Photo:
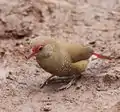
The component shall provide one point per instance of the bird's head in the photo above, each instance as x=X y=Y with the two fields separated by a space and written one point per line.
x=42 y=47
x=35 y=50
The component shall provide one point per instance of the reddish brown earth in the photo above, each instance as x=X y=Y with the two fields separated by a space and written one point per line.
x=93 y=22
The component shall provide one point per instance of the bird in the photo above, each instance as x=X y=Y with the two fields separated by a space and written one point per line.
x=61 y=58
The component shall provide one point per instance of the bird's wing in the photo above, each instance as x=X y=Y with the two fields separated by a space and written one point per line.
x=80 y=66
x=77 y=52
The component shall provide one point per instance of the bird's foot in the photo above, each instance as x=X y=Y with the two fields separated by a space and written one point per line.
x=46 y=82
x=42 y=85
x=67 y=86
x=72 y=82
x=60 y=79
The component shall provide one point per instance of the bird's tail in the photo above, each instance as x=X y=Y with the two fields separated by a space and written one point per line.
x=102 y=56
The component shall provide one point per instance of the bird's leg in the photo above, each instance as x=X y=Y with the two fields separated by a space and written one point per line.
x=47 y=80
x=72 y=82
x=61 y=79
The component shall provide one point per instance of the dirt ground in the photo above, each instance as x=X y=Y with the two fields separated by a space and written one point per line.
x=93 y=22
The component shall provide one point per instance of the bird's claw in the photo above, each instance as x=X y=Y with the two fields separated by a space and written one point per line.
x=64 y=87
x=42 y=85
x=46 y=82
x=72 y=82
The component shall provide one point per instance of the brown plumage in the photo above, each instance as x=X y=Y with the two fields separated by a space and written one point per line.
x=61 y=58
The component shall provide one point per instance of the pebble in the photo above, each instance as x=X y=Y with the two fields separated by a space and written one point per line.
x=46 y=109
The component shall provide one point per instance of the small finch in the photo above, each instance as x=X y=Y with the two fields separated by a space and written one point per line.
x=62 y=59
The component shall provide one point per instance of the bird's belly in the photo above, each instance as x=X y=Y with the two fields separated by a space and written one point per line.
x=55 y=67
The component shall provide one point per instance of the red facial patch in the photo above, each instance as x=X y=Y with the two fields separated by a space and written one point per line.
x=36 y=48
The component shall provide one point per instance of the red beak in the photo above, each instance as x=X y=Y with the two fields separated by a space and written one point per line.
x=31 y=55
x=34 y=51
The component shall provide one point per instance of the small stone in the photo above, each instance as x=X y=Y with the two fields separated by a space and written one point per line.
x=46 y=109
x=48 y=103
x=27 y=39
x=50 y=10
x=10 y=73
x=48 y=97
x=37 y=71
x=78 y=87
x=21 y=46
x=9 y=77
x=2 y=53
x=92 y=42
x=118 y=57
x=97 y=17
x=25 y=13
x=17 y=44
x=101 y=88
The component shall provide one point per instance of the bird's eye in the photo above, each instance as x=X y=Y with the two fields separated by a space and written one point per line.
x=40 y=48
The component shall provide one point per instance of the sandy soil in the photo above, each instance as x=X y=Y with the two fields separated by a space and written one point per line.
x=93 y=22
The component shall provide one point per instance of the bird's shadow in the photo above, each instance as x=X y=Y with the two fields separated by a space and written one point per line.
x=100 y=83
x=54 y=84
x=90 y=81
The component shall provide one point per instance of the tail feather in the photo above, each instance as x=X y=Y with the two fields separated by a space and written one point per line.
x=101 y=56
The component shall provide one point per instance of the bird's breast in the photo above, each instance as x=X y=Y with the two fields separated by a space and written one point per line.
x=55 y=64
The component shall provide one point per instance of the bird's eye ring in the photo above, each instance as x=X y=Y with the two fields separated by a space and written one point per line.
x=40 y=48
